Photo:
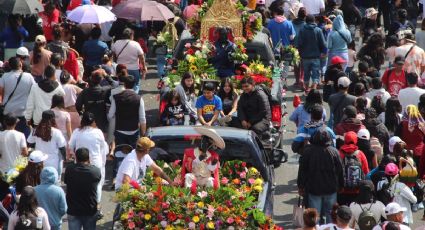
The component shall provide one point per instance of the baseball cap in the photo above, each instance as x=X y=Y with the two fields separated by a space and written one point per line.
x=40 y=39
x=22 y=51
x=394 y=208
x=399 y=60
x=350 y=138
x=37 y=157
x=391 y=169
x=363 y=134
x=344 y=213
x=145 y=143
x=393 y=140
x=344 y=82
x=337 y=60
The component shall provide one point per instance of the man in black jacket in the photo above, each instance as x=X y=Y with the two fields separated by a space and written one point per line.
x=254 y=109
x=321 y=173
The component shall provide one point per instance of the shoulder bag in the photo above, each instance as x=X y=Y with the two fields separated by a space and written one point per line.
x=2 y=107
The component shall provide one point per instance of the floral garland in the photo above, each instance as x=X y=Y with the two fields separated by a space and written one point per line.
x=232 y=206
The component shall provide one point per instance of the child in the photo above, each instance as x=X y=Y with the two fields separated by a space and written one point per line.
x=351 y=57
x=209 y=106
x=174 y=110
x=392 y=43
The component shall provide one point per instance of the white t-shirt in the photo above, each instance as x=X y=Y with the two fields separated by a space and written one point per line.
x=94 y=141
x=332 y=227
x=132 y=167
x=71 y=92
x=410 y=96
x=41 y=213
x=376 y=208
x=313 y=6
x=401 y=227
x=11 y=144
x=129 y=55
x=51 y=148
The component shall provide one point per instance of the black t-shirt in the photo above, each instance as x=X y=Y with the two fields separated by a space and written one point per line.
x=81 y=189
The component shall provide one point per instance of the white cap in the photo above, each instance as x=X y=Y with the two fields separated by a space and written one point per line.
x=394 y=140
x=40 y=39
x=394 y=208
x=344 y=82
x=363 y=134
x=22 y=51
x=1 y=64
x=37 y=157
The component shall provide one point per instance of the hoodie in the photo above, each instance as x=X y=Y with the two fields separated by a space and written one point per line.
x=310 y=128
x=320 y=171
x=311 y=42
x=349 y=124
x=340 y=37
x=40 y=99
x=379 y=130
x=281 y=30
x=298 y=24
x=51 y=197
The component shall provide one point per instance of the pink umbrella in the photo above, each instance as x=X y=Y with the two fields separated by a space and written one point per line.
x=142 y=10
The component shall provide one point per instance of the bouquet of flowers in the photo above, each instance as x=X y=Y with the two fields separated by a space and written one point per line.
x=259 y=73
x=291 y=54
x=155 y=206
x=239 y=54
x=253 y=22
x=164 y=39
x=194 y=24
x=19 y=165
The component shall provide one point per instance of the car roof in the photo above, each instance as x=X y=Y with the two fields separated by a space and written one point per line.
x=225 y=132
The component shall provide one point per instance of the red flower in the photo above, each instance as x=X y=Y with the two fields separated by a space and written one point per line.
x=190 y=51
x=244 y=164
x=171 y=216
x=239 y=77
x=193 y=187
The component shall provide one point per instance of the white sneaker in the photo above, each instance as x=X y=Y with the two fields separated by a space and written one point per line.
x=421 y=206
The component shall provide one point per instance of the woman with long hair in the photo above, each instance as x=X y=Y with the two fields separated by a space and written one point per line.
x=392 y=115
x=62 y=117
x=30 y=175
x=366 y=201
x=229 y=97
x=186 y=90
x=90 y=137
x=39 y=58
x=374 y=48
x=71 y=93
x=49 y=140
x=301 y=114
x=28 y=213
x=13 y=36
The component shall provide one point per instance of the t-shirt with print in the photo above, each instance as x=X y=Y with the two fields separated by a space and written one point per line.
x=209 y=106
x=128 y=55
x=414 y=60
x=132 y=167
x=11 y=144
x=395 y=82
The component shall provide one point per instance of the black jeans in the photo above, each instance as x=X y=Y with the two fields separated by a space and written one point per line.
x=262 y=129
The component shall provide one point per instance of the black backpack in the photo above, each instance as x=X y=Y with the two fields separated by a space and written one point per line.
x=30 y=222
x=385 y=195
x=353 y=171
x=366 y=219
x=268 y=92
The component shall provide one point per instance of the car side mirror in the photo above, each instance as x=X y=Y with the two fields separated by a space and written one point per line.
x=278 y=157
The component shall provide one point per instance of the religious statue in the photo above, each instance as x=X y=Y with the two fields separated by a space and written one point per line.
x=201 y=165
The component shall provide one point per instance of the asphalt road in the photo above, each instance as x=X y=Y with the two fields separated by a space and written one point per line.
x=286 y=194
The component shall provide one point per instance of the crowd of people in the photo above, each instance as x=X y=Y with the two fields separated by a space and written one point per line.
x=72 y=92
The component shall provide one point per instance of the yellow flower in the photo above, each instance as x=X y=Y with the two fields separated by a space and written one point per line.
x=193 y=68
x=191 y=59
x=169 y=227
x=148 y=217
x=210 y=225
x=258 y=188
x=200 y=204
x=253 y=171
x=195 y=219
x=258 y=181
x=124 y=216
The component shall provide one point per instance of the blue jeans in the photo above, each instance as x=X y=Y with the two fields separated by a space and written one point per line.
x=323 y=204
x=311 y=70
x=84 y=222
x=136 y=75
x=160 y=64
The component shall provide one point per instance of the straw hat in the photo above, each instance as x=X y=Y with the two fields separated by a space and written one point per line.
x=211 y=133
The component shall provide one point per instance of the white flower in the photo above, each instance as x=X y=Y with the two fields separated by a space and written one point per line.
x=202 y=194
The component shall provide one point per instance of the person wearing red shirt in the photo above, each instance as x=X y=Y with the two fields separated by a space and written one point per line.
x=346 y=196
x=394 y=79
x=50 y=17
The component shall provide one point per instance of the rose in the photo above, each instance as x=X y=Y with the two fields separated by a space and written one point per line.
x=165 y=205
x=258 y=181
x=242 y=175
x=130 y=214
x=171 y=216
x=131 y=225
x=187 y=45
x=224 y=180
x=244 y=164
x=230 y=220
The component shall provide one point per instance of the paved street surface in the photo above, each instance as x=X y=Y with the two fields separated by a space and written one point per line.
x=286 y=190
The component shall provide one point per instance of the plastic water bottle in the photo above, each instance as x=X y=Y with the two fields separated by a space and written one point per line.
x=186 y=119
x=39 y=224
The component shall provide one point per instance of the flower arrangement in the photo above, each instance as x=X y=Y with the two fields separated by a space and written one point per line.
x=196 y=62
x=293 y=55
x=252 y=23
x=155 y=206
x=194 y=24
x=239 y=54
x=19 y=165
x=259 y=73
x=164 y=38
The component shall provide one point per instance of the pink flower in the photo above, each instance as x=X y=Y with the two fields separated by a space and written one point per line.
x=224 y=180
x=130 y=214
x=251 y=180
x=131 y=225
x=252 y=18
x=242 y=175
x=176 y=163
x=187 y=45
x=141 y=215
x=192 y=225
x=165 y=205
x=230 y=220
x=202 y=194
x=164 y=223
